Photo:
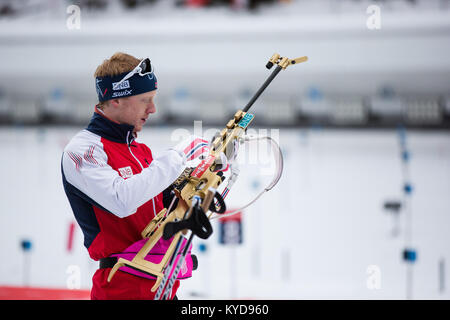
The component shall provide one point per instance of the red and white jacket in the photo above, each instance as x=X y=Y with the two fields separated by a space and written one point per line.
x=114 y=185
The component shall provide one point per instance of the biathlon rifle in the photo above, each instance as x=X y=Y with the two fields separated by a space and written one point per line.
x=196 y=183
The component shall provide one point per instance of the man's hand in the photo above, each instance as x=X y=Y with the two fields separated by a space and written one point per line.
x=193 y=147
x=196 y=148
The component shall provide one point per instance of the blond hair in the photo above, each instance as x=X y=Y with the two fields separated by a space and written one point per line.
x=118 y=63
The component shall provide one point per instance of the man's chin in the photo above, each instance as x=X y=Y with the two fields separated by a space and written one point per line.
x=137 y=129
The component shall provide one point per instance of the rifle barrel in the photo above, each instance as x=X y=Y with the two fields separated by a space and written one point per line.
x=263 y=87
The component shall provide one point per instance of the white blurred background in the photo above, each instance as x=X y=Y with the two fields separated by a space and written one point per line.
x=367 y=114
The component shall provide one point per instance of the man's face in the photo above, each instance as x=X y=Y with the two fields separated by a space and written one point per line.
x=135 y=110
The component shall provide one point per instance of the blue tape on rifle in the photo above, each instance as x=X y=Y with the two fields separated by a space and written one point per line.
x=245 y=121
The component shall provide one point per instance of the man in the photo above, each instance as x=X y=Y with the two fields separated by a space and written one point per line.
x=113 y=183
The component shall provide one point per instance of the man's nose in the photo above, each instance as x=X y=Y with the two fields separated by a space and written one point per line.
x=151 y=108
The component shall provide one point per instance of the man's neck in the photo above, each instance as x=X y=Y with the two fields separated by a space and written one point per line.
x=111 y=118
x=106 y=114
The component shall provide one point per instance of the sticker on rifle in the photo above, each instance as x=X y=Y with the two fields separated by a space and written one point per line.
x=203 y=166
x=245 y=121
x=184 y=268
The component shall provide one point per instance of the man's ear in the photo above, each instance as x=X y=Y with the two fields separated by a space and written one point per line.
x=114 y=102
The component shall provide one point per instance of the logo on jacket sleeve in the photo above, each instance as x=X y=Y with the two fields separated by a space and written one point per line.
x=126 y=172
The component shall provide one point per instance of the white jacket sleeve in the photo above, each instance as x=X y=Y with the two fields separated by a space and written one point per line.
x=100 y=182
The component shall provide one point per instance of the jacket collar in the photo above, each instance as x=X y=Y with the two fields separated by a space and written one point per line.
x=109 y=129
